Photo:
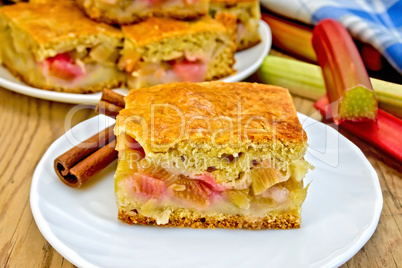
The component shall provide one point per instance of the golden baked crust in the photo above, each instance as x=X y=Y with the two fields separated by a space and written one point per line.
x=55 y=22
x=156 y=29
x=275 y=221
x=266 y=114
x=55 y=25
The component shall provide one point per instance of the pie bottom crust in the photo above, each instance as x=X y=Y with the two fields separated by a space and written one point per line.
x=195 y=220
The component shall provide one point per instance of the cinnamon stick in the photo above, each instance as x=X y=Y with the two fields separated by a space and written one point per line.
x=78 y=165
x=111 y=103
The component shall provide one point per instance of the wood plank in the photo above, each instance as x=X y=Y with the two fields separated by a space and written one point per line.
x=30 y=125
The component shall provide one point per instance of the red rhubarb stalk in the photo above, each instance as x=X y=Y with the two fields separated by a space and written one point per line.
x=290 y=36
x=385 y=134
x=346 y=79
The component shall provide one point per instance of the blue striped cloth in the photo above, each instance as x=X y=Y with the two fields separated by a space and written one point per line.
x=377 y=22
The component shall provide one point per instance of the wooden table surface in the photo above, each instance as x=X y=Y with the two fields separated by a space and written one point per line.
x=29 y=126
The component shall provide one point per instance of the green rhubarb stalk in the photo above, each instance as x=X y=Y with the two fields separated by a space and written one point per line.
x=306 y=80
x=302 y=79
x=346 y=79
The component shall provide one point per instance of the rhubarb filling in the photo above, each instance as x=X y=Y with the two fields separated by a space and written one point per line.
x=127 y=8
x=81 y=67
x=248 y=16
x=176 y=66
x=156 y=190
x=177 y=70
x=246 y=30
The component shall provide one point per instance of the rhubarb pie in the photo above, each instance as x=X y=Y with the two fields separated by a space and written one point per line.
x=248 y=16
x=163 y=50
x=210 y=154
x=56 y=47
x=129 y=11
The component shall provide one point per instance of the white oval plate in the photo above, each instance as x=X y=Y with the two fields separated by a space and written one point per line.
x=340 y=214
x=247 y=62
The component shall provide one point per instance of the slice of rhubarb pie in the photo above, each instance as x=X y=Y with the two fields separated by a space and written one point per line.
x=210 y=154
x=56 y=47
x=162 y=50
x=248 y=15
x=130 y=11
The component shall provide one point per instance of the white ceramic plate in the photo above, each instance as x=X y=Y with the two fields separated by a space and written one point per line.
x=340 y=214
x=247 y=62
